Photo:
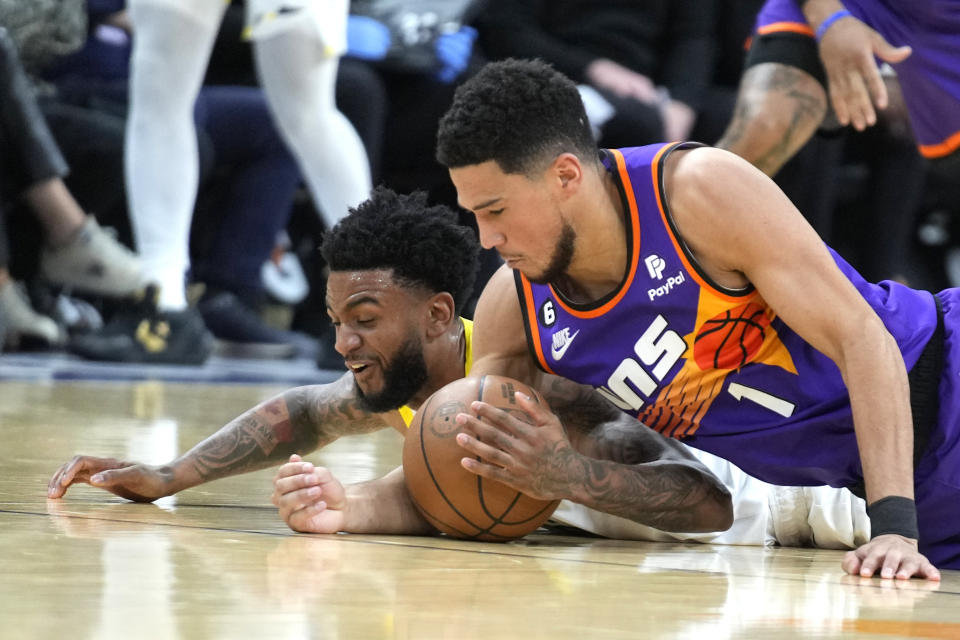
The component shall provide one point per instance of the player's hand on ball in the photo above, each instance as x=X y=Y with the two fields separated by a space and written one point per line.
x=133 y=481
x=527 y=450
x=309 y=499
x=889 y=556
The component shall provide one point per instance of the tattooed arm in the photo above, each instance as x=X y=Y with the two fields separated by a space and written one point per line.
x=297 y=421
x=602 y=459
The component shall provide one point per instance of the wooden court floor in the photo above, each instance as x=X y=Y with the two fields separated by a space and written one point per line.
x=217 y=562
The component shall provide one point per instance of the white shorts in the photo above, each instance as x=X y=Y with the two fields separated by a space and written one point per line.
x=764 y=515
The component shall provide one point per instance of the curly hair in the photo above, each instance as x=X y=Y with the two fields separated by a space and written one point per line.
x=518 y=113
x=425 y=246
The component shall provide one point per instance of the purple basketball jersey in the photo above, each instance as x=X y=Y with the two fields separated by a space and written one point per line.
x=713 y=366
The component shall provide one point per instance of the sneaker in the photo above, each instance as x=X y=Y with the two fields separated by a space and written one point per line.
x=142 y=333
x=25 y=327
x=240 y=333
x=76 y=315
x=93 y=261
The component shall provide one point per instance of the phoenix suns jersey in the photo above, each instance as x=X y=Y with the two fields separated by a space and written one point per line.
x=406 y=412
x=713 y=366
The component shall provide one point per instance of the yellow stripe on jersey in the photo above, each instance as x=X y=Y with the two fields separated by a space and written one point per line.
x=406 y=412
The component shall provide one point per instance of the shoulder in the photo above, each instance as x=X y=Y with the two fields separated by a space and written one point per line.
x=706 y=189
x=500 y=288
x=498 y=308
x=686 y=171
x=499 y=339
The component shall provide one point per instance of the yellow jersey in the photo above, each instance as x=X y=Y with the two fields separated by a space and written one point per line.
x=406 y=412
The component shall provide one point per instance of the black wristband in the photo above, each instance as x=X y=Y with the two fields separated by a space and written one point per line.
x=893 y=515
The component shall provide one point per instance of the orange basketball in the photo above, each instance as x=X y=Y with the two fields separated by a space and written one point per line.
x=455 y=501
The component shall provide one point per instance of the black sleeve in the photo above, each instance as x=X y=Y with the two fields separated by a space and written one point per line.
x=792 y=49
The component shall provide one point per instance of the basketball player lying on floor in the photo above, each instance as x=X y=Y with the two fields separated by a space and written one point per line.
x=397 y=278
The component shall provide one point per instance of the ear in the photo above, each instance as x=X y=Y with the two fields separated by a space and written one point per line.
x=441 y=312
x=568 y=173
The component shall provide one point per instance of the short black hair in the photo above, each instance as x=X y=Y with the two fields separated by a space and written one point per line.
x=425 y=246
x=518 y=113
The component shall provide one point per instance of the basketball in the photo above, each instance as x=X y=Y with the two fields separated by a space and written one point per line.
x=731 y=339
x=452 y=499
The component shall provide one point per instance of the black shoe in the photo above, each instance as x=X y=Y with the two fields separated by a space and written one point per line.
x=142 y=333
x=240 y=333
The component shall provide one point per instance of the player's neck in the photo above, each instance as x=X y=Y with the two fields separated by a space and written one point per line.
x=600 y=251
x=446 y=361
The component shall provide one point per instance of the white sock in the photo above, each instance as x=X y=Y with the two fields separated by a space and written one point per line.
x=298 y=71
x=171 y=47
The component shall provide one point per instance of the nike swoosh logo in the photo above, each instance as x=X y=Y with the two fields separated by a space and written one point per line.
x=558 y=353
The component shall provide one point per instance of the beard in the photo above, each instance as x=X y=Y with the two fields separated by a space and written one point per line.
x=402 y=378
x=561 y=258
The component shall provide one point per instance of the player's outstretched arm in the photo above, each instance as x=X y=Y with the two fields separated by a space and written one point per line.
x=297 y=421
x=604 y=460
x=679 y=493
x=744 y=230
x=311 y=500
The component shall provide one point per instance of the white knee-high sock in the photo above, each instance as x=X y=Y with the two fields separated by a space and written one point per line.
x=171 y=46
x=298 y=72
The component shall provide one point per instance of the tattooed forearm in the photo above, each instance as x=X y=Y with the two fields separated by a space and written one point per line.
x=235 y=449
x=297 y=421
x=597 y=428
x=667 y=495
x=619 y=466
x=579 y=407
x=263 y=435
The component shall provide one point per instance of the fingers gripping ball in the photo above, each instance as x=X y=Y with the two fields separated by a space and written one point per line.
x=457 y=502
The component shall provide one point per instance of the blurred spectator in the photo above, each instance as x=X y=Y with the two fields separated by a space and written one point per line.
x=77 y=252
x=643 y=67
x=248 y=178
x=297 y=47
x=90 y=141
x=783 y=101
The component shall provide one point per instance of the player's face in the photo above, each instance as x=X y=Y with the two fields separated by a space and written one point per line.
x=518 y=216
x=378 y=335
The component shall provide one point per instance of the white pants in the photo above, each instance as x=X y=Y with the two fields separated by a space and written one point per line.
x=764 y=515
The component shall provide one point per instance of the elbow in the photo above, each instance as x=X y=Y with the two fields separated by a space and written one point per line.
x=715 y=511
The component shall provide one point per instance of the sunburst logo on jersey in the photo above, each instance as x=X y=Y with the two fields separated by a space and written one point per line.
x=727 y=336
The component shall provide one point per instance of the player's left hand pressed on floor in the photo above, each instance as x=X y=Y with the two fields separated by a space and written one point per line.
x=889 y=556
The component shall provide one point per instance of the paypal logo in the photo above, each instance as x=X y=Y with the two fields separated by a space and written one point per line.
x=655 y=266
